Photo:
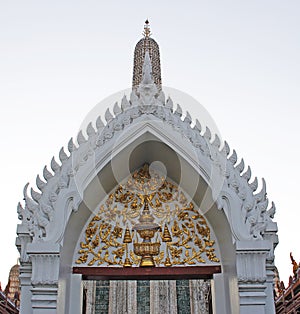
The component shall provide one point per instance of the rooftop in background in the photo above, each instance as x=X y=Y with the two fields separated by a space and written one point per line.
x=6 y=305
x=287 y=300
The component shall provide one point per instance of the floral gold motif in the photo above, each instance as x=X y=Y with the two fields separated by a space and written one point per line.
x=147 y=206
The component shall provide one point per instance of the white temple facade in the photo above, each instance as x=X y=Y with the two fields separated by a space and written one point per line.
x=147 y=213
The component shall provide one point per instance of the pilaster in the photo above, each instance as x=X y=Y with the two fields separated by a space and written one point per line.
x=271 y=236
x=44 y=280
x=25 y=282
x=22 y=242
x=251 y=273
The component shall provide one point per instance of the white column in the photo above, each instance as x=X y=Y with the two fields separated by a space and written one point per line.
x=251 y=273
x=25 y=282
x=225 y=294
x=75 y=297
x=271 y=235
x=270 y=304
x=44 y=281
x=69 y=294
x=22 y=241
x=163 y=296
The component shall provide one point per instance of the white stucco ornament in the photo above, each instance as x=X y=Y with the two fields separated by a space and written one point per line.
x=51 y=209
x=253 y=217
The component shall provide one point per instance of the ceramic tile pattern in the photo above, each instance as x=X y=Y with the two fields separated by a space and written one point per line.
x=183 y=296
x=102 y=297
x=143 y=297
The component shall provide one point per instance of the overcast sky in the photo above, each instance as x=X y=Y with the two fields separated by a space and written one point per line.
x=239 y=59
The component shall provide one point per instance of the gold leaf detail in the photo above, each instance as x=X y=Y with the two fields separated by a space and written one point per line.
x=189 y=242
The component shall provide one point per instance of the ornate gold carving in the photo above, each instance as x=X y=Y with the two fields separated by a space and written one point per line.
x=127 y=236
x=166 y=235
x=146 y=228
x=147 y=206
x=127 y=239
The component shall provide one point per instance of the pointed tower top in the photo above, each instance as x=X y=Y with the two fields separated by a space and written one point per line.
x=146 y=44
x=147 y=32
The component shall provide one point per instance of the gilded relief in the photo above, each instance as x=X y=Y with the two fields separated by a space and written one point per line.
x=147 y=221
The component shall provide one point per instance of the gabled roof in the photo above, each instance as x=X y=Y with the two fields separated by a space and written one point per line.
x=148 y=104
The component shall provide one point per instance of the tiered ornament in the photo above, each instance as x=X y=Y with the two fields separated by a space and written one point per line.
x=147 y=229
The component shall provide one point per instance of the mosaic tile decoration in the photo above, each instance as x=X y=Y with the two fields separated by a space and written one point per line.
x=102 y=297
x=183 y=296
x=143 y=297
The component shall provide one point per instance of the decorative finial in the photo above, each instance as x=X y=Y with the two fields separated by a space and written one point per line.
x=147 y=32
x=127 y=236
x=147 y=43
x=166 y=235
x=295 y=265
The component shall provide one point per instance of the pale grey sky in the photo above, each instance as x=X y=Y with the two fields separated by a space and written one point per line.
x=239 y=59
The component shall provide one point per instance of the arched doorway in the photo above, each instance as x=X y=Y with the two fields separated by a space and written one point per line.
x=54 y=220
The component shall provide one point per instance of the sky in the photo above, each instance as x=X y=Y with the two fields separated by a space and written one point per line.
x=238 y=59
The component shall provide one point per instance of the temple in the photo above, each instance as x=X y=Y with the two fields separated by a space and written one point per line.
x=146 y=213
x=287 y=299
x=10 y=297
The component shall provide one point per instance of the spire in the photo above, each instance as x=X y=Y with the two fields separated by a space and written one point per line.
x=147 y=70
x=146 y=44
x=147 y=32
